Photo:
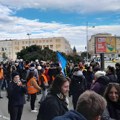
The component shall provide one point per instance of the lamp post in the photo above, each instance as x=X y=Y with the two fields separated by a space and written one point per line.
x=87 y=42
x=28 y=34
x=87 y=54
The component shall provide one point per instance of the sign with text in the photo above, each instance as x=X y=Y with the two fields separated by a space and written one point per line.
x=105 y=44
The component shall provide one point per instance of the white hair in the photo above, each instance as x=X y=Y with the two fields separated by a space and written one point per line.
x=99 y=74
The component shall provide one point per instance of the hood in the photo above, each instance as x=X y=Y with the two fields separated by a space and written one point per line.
x=72 y=115
x=32 y=68
x=78 y=73
x=103 y=79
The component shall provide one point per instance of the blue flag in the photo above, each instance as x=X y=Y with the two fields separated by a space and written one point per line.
x=62 y=61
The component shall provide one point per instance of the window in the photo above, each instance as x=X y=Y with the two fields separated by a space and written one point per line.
x=58 y=46
x=57 y=40
x=51 y=46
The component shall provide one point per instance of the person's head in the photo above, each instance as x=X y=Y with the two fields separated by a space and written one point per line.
x=111 y=70
x=91 y=105
x=112 y=92
x=60 y=85
x=99 y=74
x=15 y=76
x=30 y=75
x=117 y=65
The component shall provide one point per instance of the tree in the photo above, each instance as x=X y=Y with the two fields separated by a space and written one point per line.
x=74 y=51
x=84 y=55
x=36 y=52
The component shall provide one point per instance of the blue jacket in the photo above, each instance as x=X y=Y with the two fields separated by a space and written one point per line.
x=71 y=115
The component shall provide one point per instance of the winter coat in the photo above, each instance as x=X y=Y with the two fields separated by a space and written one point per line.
x=16 y=94
x=71 y=115
x=89 y=78
x=51 y=107
x=112 y=77
x=100 y=85
x=112 y=112
x=78 y=84
x=77 y=87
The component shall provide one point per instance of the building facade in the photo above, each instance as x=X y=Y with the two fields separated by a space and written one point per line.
x=92 y=44
x=9 y=48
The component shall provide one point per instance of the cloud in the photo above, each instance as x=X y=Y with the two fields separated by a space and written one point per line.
x=80 y=6
x=12 y=27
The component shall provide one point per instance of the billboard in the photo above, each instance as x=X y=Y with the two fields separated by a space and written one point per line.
x=105 y=44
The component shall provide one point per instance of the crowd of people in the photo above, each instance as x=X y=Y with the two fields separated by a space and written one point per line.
x=95 y=93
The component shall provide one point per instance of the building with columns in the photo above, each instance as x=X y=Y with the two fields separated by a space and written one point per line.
x=10 y=47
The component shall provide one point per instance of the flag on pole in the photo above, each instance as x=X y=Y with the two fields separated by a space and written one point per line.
x=62 y=61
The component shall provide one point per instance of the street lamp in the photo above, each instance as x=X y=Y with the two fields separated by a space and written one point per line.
x=87 y=40
x=28 y=34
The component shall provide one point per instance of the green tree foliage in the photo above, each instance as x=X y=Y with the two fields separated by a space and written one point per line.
x=36 y=52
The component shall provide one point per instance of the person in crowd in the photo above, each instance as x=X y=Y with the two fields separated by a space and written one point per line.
x=112 y=96
x=90 y=106
x=55 y=103
x=111 y=74
x=16 y=97
x=78 y=85
x=89 y=76
x=43 y=82
x=32 y=89
x=117 y=66
x=1 y=78
x=100 y=82
x=33 y=69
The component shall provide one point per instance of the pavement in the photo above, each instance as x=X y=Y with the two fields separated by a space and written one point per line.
x=27 y=115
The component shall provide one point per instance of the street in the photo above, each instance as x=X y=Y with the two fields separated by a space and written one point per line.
x=27 y=115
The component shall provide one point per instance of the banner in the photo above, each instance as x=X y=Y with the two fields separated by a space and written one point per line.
x=62 y=61
x=105 y=44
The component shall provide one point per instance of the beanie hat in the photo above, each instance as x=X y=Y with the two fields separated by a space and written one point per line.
x=32 y=65
x=14 y=74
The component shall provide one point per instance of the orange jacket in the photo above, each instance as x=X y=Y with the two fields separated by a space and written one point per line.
x=1 y=74
x=45 y=79
x=32 y=88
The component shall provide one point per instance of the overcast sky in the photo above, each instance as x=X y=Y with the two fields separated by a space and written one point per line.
x=54 y=18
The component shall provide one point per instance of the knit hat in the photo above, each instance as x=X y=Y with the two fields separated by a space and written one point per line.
x=32 y=65
x=14 y=74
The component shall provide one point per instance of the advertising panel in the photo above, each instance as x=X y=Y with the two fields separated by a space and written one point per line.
x=105 y=44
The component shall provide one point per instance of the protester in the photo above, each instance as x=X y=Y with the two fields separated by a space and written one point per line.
x=100 y=82
x=111 y=74
x=55 y=103
x=1 y=78
x=32 y=88
x=16 y=98
x=112 y=95
x=78 y=85
x=90 y=106
x=43 y=82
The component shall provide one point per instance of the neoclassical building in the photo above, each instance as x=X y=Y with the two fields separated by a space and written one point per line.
x=12 y=46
